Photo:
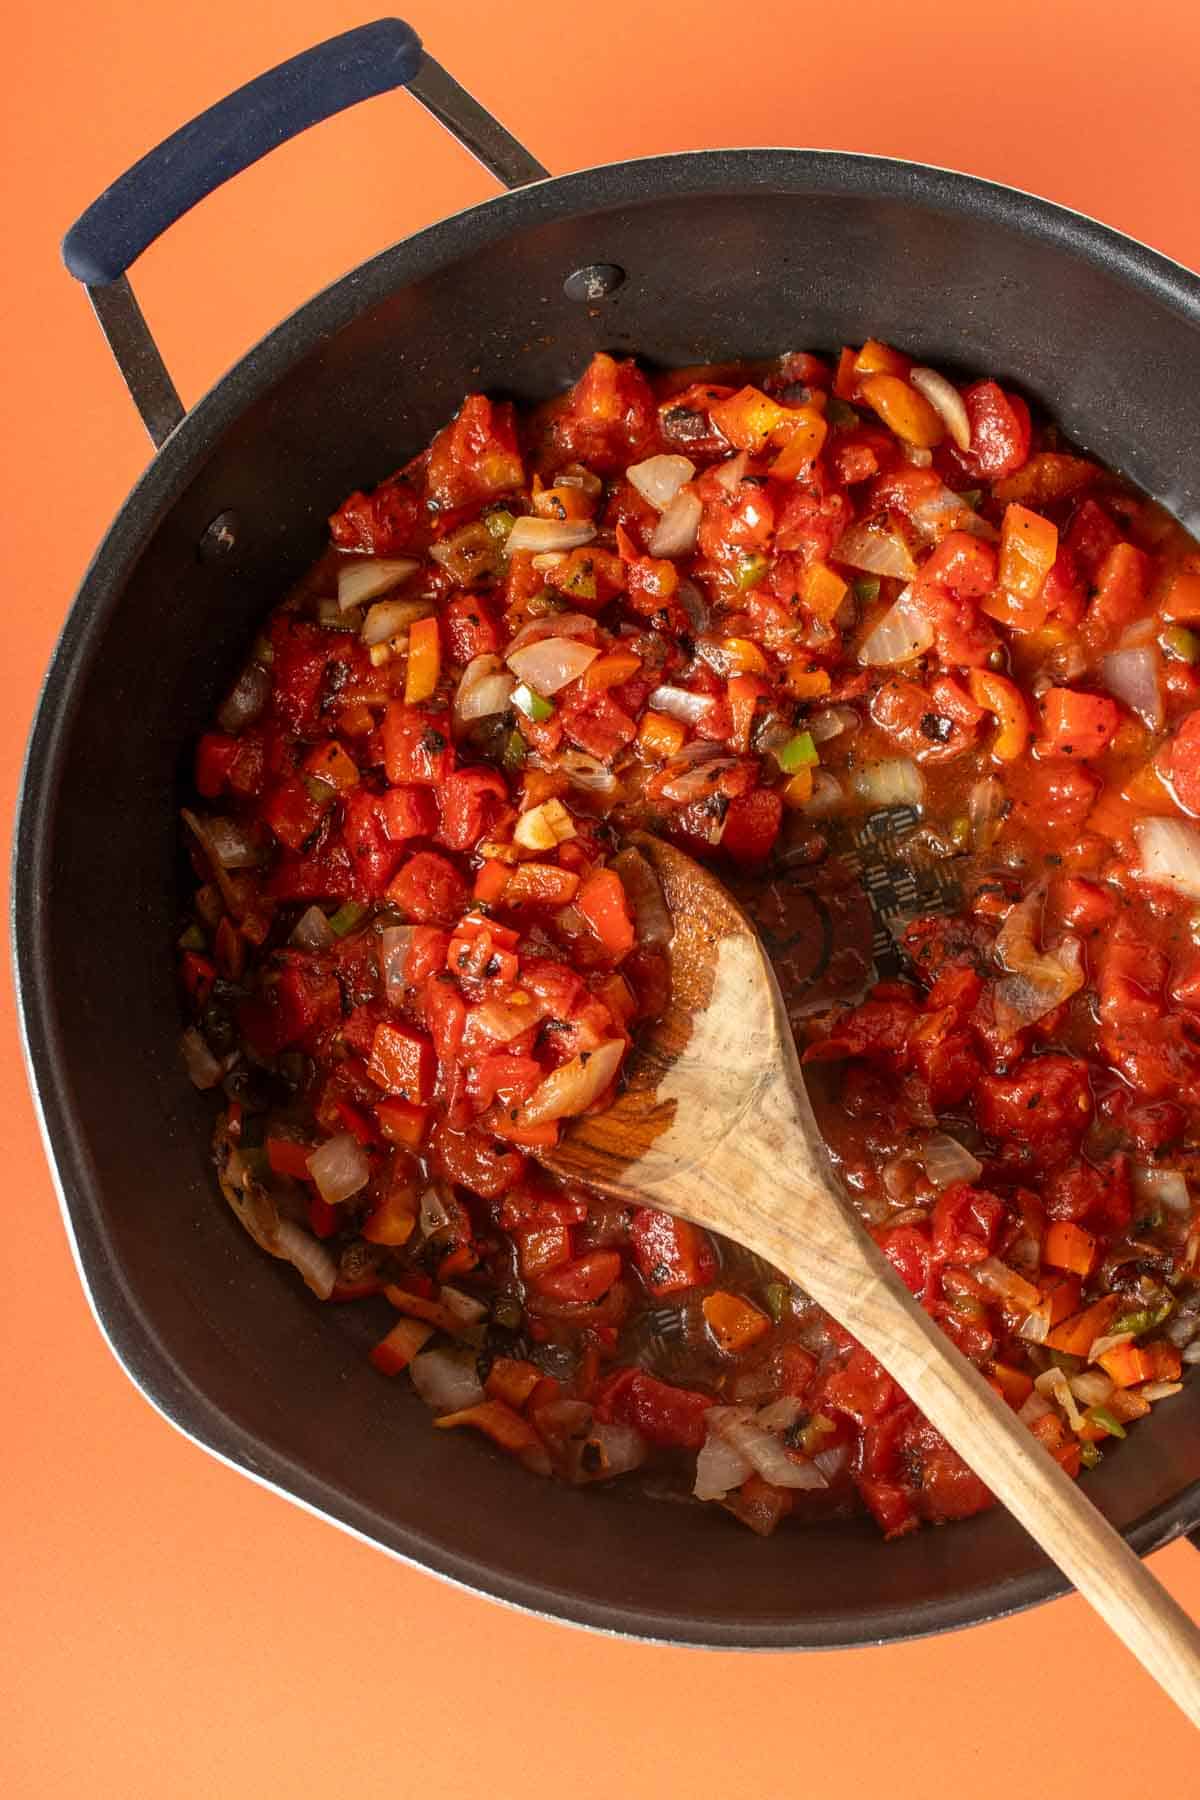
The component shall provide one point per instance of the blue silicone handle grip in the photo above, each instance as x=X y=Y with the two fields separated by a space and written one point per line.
x=169 y=180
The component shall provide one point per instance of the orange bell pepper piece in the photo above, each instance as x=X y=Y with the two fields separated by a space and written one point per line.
x=806 y=683
x=660 y=737
x=744 y=693
x=804 y=444
x=1045 y=477
x=329 y=762
x=424 y=661
x=402 y=1123
x=1181 y=602
x=750 y=419
x=1028 y=548
x=1077 y=1334
x=876 y=358
x=998 y=695
x=1069 y=1247
x=540 y=884
x=734 y=1322
x=903 y=410
x=743 y=656
x=395 y=1218
x=511 y=1380
x=610 y=670
x=602 y=902
x=505 y=1428
x=821 y=590
x=1011 y=1384
x=798 y=788
x=394 y=1352
x=1129 y=1364
x=491 y=881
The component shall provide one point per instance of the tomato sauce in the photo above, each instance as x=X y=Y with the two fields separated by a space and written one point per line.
x=922 y=684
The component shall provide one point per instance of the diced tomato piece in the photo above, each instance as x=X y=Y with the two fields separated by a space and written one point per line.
x=296 y=1007
x=470 y=800
x=603 y=904
x=291 y=813
x=471 y=628
x=416 y=745
x=402 y=1123
x=582 y=1281
x=475 y=457
x=607 y=419
x=470 y=1158
x=1075 y=724
x=752 y=823
x=402 y=1062
x=429 y=889
x=671 y=1417
x=216 y=754
x=382 y=523
x=1122 y=585
x=1001 y=430
x=373 y=855
x=408 y=812
x=672 y=1254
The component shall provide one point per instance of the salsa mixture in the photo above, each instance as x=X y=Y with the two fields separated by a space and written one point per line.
x=755 y=609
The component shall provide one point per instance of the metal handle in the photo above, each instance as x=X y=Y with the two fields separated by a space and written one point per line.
x=236 y=132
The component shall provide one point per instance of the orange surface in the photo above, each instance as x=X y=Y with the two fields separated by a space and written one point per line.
x=168 y=1629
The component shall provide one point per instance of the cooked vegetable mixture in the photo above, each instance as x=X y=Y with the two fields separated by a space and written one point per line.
x=761 y=611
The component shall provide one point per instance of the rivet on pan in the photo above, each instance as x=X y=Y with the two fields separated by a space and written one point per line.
x=219 y=538
x=596 y=282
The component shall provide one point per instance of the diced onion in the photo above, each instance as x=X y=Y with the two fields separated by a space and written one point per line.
x=388 y=617
x=566 y=624
x=233 y=845
x=680 y=703
x=311 y=931
x=484 y=689
x=1038 y=980
x=581 y=770
x=446 y=1379
x=1112 y=1340
x=501 y=1020
x=827 y=796
x=764 y=1452
x=660 y=478
x=831 y=722
x=1160 y=1390
x=1035 y=1407
x=394 y=945
x=621 y=1449
x=942 y=511
x=1053 y=1384
x=203 y=1068
x=1163 y=1187
x=435 y=1215
x=695 y=606
x=1006 y=1284
x=655 y=927
x=720 y=1466
x=1170 y=854
x=339 y=1167
x=550 y=534
x=877 y=549
x=917 y=455
x=947 y=1161
x=731 y=471
x=692 y=775
x=543 y=827
x=551 y=663
x=781 y=1414
x=895 y=782
x=678 y=528
x=1093 y=1387
x=367 y=577
x=905 y=631
x=308 y=1255
x=245 y=700
x=462 y=1306
x=1134 y=678
x=985 y=809
x=946 y=401
x=572 y=1089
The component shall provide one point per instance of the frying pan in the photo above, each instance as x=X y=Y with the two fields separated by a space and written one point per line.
x=681 y=259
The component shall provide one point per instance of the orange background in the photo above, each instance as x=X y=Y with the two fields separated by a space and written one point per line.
x=169 y=1629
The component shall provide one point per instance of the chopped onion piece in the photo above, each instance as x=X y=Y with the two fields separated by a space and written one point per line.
x=947 y=1161
x=311 y=931
x=732 y=470
x=435 y=1214
x=894 y=782
x=1134 y=678
x=1053 y=1384
x=677 y=530
x=550 y=534
x=765 y=1452
x=944 y=511
x=1163 y=1187
x=339 y=1167
x=565 y=624
x=1006 y=1284
x=876 y=549
x=394 y=944
x=692 y=775
x=620 y=1449
x=545 y=826
x=369 y=576
x=1170 y=854
x=904 y=632
x=781 y=1414
x=233 y=844
x=652 y=919
x=917 y=455
x=388 y=617
x=946 y=401
x=308 y=1255
x=1160 y=1390
x=831 y=722
x=1093 y=1387
x=446 y=1379
x=462 y=1306
x=1038 y=980
x=660 y=478
x=501 y=1020
x=204 y=1069
x=985 y=809
x=826 y=797
x=245 y=700
x=581 y=770
x=572 y=1089
x=484 y=689
x=1112 y=1340
x=680 y=703
x=1035 y=1407
x=551 y=663
x=720 y=1466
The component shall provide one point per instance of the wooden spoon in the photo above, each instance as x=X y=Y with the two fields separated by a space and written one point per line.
x=715 y=1126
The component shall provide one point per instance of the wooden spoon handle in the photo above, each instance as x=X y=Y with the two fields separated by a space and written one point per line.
x=848 y=1276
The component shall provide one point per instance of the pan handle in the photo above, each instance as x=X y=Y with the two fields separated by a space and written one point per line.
x=167 y=182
